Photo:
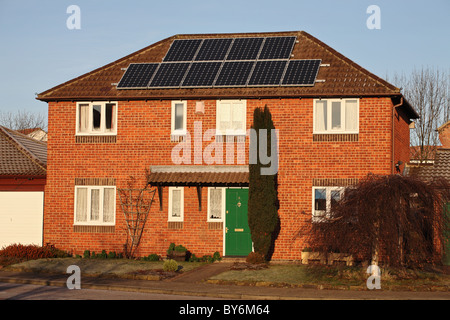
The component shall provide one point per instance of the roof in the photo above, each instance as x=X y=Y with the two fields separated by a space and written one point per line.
x=440 y=168
x=21 y=155
x=340 y=77
x=198 y=175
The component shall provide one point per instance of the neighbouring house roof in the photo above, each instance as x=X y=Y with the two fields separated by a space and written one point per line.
x=440 y=168
x=35 y=133
x=21 y=155
x=338 y=75
x=199 y=175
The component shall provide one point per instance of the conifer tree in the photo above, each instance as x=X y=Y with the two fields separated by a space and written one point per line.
x=262 y=202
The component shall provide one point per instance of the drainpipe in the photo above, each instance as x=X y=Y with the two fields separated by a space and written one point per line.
x=393 y=136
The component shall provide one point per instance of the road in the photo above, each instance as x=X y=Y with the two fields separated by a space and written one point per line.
x=13 y=291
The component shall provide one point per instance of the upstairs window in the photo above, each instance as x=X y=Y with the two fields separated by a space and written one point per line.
x=336 y=116
x=178 y=118
x=231 y=117
x=96 y=118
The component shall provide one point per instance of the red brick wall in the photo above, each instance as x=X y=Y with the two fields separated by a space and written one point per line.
x=143 y=139
x=401 y=139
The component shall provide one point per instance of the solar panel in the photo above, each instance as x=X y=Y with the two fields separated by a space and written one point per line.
x=267 y=73
x=245 y=49
x=234 y=73
x=169 y=75
x=213 y=49
x=201 y=74
x=277 y=48
x=182 y=50
x=301 y=72
x=138 y=75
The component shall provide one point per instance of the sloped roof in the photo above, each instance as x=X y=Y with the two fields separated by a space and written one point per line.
x=21 y=155
x=198 y=175
x=440 y=168
x=342 y=77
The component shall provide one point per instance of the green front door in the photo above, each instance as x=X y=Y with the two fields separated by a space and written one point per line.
x=238 y=241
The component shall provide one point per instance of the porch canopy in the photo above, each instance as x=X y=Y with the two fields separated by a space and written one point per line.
x=197 y=176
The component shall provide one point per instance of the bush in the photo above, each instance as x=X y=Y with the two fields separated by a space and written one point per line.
x=86 y=254
x=31 y=252
x=152 y=257
x=216 y=256
x=170 y=265
x=112 y=255
x=180 y=248
x=255 y=258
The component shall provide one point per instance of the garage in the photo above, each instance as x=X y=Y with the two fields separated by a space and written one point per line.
x=23 y=164
x=21 y=217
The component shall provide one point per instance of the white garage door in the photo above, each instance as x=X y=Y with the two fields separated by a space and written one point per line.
x=21 y=217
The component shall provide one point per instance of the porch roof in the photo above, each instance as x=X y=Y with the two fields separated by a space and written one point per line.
x=199 y=175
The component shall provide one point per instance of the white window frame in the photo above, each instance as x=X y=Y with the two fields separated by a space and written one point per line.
x=231 y=132
x=172 y=118
x=326 y=215
x=100 y=221
x=209 y=219
x=102 y=130
x=170 y=217
x=329 y=117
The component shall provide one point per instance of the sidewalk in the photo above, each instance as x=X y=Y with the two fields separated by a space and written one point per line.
x=192 y=284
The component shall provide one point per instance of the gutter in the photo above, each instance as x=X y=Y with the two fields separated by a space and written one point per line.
x=392 y=133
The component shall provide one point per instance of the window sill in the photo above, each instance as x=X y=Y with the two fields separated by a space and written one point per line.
x=175 y=224
x=336 y=137
x=94 y=228
x=95 y=138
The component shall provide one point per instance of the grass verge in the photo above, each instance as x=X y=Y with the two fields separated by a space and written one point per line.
x=330 y=277
x=99 y=267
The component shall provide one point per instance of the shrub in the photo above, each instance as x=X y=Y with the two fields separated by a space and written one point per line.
x=255 y=258
x=31 y=252
x=171 y=248
x=170 y=265
x=86 y=254
x=216 y=256
x=193 y=258
x=112 y=255
x=180 y=248
x=152 y=257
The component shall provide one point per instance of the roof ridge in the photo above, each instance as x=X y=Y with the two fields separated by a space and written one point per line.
x=19 y=146
x=351 y=62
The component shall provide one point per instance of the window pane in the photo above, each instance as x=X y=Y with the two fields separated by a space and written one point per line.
x=109 y=117
x=238 y=116
x=95 y=204
x=215 y=203
x=321 y=116
x=224 y=114
x=336 y=115
x=96 y=117
x=320 y=199
x=351 y=115
x=335 y=197
x=108 y=205
x=179 y=108
x=176 y=203
x=81 y=203
x=83 y=113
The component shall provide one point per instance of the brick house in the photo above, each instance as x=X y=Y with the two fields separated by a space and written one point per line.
x=129 y=116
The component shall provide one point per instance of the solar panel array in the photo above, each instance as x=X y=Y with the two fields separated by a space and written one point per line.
x=225 y=62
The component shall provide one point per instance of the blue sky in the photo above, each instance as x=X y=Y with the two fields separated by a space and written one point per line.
x=38 y=51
